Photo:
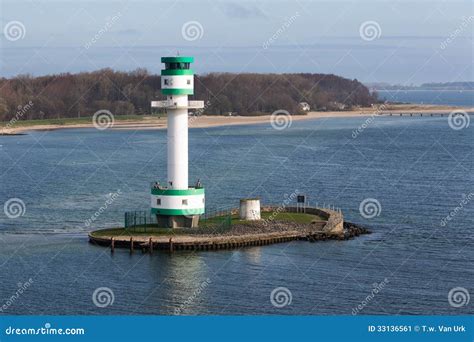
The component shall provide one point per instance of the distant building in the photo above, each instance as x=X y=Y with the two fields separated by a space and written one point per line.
x=304 y=106
x=338 y=105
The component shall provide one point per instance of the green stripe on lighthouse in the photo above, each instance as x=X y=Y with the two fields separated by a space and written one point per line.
x=176 y=72
x=175 y=91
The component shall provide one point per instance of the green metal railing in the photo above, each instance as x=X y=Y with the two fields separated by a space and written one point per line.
x=140 y=219
x=213 y=220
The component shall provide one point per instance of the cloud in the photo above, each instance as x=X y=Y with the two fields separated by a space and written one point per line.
x=239 y=11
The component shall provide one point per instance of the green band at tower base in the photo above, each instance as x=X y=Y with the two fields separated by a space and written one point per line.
x=176 y=192
x=183 y=212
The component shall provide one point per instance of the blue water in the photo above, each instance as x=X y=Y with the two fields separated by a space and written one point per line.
x=435 y=97
x=417 y=168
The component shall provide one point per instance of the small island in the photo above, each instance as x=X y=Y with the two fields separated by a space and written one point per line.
x=227 y=230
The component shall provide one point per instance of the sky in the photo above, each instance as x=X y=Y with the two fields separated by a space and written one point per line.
x=399 y=42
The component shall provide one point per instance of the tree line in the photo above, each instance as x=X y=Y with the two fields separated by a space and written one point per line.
x=129 y=93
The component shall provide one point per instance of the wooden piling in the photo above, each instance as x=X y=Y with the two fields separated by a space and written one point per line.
x=150 y=242
x=171 y=245
x=131 y=244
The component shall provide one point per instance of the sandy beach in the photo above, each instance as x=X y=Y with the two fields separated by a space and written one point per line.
x=154 y=122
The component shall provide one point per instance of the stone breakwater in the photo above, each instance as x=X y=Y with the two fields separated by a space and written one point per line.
x=246 y=234
x=352 y=230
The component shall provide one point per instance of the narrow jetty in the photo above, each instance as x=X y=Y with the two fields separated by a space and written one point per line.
x=414 y=114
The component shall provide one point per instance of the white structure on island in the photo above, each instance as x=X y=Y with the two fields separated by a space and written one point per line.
x=176 y=204
x=249 y=209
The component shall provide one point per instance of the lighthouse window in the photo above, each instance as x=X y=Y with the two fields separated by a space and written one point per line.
x=184 y=202
x=158 y=201
x=166 y=81
x=188 y=81
x=174 y=66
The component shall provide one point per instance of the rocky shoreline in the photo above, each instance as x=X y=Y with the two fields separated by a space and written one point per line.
x=221 y=233
x=352 y=230
x=233 y=238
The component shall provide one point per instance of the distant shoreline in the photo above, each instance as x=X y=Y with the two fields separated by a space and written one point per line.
x=153 y=122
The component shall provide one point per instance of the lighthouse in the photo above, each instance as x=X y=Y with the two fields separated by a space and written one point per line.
x=175 y=203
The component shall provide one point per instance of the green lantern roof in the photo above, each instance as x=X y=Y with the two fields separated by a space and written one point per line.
x=180 y=59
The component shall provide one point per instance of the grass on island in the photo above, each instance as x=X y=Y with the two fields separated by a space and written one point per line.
x=294 y=217
x=72 y=121
x=206 y=226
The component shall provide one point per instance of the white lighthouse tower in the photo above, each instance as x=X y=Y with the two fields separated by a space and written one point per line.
x=175 y=203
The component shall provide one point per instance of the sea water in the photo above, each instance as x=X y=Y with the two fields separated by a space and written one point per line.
x=418 y=170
